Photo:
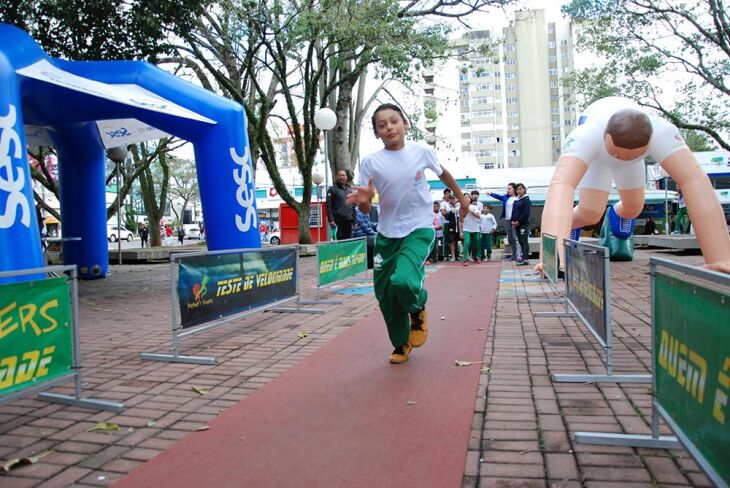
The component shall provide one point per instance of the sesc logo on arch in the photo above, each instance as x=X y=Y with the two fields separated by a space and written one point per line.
x=12 y=176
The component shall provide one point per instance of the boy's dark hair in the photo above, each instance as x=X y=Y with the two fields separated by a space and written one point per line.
x=387 y=106
x=475 y=192
x=513 y=185
x=448 y=190
x=436 y=202
x=520 y=185
x=629 y=129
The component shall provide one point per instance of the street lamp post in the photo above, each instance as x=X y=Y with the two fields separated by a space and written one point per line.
x=325 y=119
x=118 y=155
x=317 y=180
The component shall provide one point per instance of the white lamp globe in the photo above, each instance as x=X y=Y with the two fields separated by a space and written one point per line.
x=325 y=118
x=317 y=179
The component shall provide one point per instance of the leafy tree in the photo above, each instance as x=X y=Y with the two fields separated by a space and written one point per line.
x=154 y=181
x=305 y=56
x=102 y=29
x=697 y=141
x=183 y=184
x=647 y=44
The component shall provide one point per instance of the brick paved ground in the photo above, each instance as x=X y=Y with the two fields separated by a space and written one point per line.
x=523 y=423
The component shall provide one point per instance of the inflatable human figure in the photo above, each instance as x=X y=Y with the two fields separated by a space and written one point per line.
x=613 y=138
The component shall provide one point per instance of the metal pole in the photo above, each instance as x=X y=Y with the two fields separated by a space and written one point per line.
x=326 y=178
x=119 y=217
x=321 y=214
x=75 y=332
x=666 y=207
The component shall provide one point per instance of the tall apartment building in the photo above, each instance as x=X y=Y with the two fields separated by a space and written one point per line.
x=513 y=110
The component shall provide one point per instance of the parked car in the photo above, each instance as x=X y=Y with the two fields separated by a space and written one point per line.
x=275 y=238
x=113 y=233
x=192 y=231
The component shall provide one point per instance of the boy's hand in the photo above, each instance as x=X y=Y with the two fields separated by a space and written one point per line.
x=362 y=194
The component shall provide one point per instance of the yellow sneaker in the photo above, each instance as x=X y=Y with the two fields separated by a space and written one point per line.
x=400 y=354
x=419 y=328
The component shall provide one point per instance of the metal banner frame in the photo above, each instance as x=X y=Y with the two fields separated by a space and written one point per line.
x=77 y=399
x=553 y=284
x=320 y=287
x=654 y=440
x=175 y=356
x=576 y=312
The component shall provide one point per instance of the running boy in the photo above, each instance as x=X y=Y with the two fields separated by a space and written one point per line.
x=405 y=231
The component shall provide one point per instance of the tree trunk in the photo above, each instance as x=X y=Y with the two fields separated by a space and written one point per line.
x=305 y=237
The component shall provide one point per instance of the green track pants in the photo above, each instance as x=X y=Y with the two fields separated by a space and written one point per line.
x=399 y=273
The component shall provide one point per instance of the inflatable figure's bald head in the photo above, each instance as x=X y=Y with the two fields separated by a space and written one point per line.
x=629 y=129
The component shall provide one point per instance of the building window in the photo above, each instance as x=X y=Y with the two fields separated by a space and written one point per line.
x=510 y=61
x=566 y=69
x=564 y=42
x=482 y=113
x=465 y=102
x=478 y=61
x=568 y=123
x=508 y=48
x=511 y=99
x=553 y=71
x=556 y=123
x=483 y=140
x=484 y=87
x=553 y=84
x=553 y=58
x=512 y=114
x=556 y=137
x=514 y=152
x=463 y=77
x=554 y=98
x=511 y=87
x=497 y=86
x=510 y=76
x=563 y=55
x=488 y=165
x=555 y=110
x=464 y=118
x=514 y=140
x=551 y=44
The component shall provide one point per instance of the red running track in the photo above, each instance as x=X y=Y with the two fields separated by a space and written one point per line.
x=342 y=416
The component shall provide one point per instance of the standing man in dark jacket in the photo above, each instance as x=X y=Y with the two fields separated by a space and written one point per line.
x=338 y=211
x=521 y=222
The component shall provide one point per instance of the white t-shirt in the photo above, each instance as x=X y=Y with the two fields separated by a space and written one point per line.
x=586 y=143
x=471 y=223
x=508 y=208
x=487 y=223
x=399 y=176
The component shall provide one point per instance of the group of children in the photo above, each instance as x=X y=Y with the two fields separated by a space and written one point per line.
x=474 y=231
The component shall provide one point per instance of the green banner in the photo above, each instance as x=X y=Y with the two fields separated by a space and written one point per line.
x=550 y=257
x=692 y=365
x=341 y=259
x=35 y=333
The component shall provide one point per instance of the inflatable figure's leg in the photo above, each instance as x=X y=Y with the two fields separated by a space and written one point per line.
x=81 y=159
x=590 y=208
x=618 y=233
x=20 y=240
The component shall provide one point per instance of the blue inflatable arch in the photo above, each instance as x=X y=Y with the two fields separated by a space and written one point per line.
x=82 y=105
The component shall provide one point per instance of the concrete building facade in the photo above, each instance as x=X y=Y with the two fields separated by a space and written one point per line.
x=513 y=110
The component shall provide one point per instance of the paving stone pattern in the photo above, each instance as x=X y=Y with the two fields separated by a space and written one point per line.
x=522 y=425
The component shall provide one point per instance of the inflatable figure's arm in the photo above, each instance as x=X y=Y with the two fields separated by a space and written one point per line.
x=703 y=207
x=557 y=215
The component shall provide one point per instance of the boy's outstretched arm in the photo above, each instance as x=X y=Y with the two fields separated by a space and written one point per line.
x=362 y=196
x=450 y=182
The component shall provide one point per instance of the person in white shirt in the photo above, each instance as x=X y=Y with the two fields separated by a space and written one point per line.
x=405 y=229
x=472 y=237
x=438 y=225
x=487 y=226
x=508 y=200
x=611 y=144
